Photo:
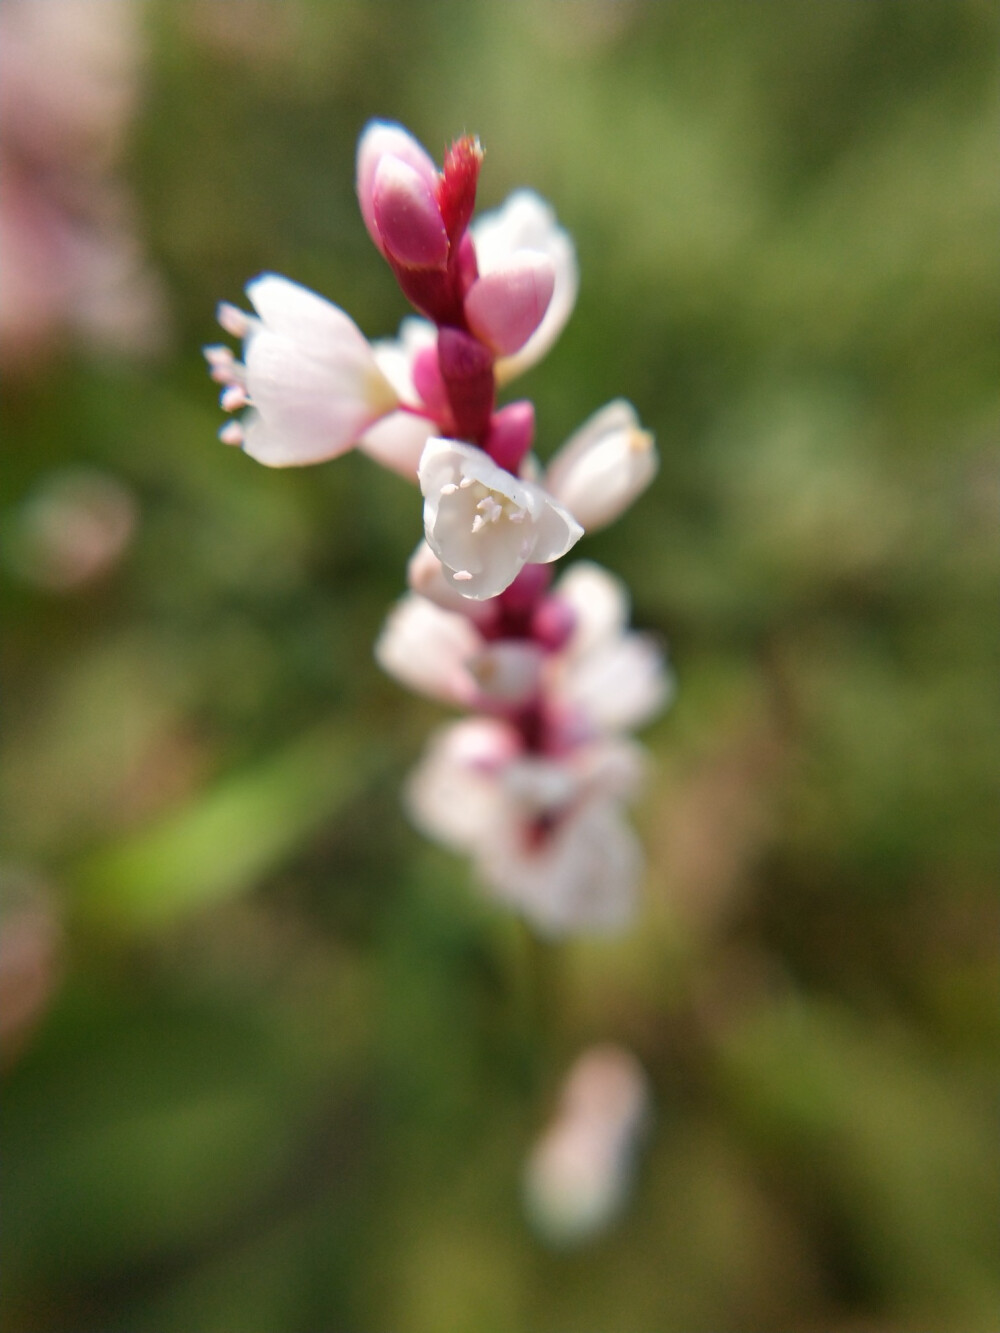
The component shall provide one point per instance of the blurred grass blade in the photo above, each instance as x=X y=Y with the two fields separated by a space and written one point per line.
x=228 y=839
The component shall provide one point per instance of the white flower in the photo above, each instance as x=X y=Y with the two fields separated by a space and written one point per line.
x=310 y=377
x=578 y=1176
x=610 y=679
x=441 y=654
x=604 y=466
x=483 y=523
x=527 y=222
x=545 y=835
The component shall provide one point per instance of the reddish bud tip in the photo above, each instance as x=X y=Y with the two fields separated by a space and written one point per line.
x=457 y=186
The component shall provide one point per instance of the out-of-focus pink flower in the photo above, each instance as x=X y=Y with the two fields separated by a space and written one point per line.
x=603 y=467
x=483 y=523
x=580 y=1172
x=71 y=530
x=309 y=376
x=68 y=253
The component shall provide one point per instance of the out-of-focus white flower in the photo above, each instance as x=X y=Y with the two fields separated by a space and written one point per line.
x=483 y=523
x=429 y=650
x=441 y=654
x=609 y=680
x=547 y=836
x=579 y=1175
x=310 y=377
x=604 y=466
x=527 y=222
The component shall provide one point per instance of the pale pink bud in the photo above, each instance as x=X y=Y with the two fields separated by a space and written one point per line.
x=407 y=216
x=506 y=306
x=511 y=433
x=526 y=222
x=380 y=139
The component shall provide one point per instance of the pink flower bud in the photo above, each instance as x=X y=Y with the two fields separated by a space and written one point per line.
x=512 y=431
x=384 y=139
x=505 y=307
x=407 y=216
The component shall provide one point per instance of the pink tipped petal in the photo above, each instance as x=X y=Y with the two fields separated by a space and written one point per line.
x=527 y=222
x=407 y=216
x=383 y=138
x=506 y=306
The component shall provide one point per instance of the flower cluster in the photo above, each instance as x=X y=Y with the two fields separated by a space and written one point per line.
x=531 y=787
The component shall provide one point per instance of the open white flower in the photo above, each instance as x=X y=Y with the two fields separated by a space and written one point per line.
x=483 y=523
x=604 y=466
x=527 y=222
x=310 y=377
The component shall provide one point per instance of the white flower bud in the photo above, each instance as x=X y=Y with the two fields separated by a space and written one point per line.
x=601 y=469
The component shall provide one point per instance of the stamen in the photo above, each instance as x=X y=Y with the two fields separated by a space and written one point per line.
x=478 y=523
x=231 y=433
x=234 y=397
x=466 y=482
x=462 y=575
x=449 y=488
x=233 y=320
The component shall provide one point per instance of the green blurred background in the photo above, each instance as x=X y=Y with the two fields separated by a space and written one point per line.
x=273 y=1066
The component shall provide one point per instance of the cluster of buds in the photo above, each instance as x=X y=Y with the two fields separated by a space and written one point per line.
x=533 y=786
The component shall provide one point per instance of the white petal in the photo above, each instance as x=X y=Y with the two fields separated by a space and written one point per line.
x=453 y=796
x=395 y=356
x=309 y=410
x=286 y=307
x=619 y=685
x=428 y=650
x=527 y=222
x=397 y=441
x=599 y=602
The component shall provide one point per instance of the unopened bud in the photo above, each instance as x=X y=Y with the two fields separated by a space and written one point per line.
x=505 y=307
x=407 y=216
